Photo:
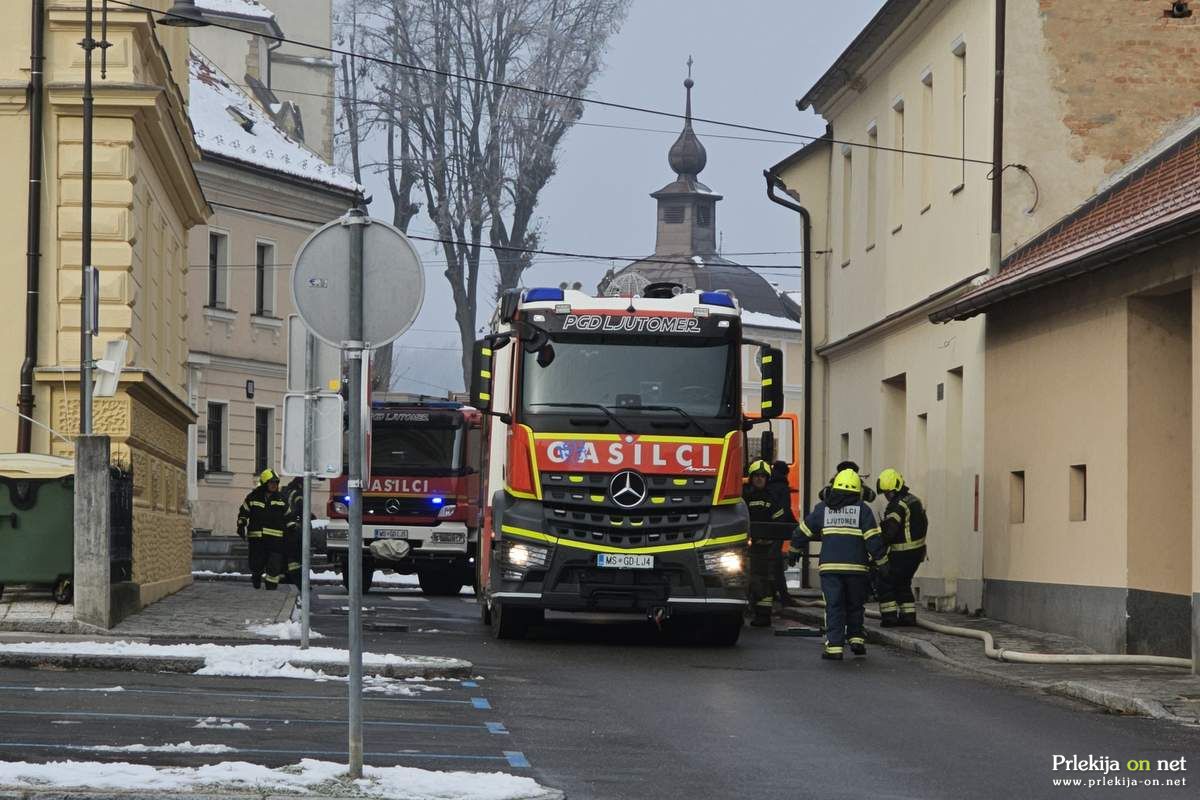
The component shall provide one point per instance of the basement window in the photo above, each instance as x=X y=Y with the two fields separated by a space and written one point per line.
x=1016 y=497
x=1078 y=492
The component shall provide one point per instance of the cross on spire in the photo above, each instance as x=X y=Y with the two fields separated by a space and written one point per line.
x=689 y=65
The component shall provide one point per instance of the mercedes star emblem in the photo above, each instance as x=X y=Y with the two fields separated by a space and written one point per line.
x=392 y=506
x=628 y=489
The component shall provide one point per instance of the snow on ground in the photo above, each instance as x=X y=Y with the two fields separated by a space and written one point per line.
x=377 y=684
x=243 y=661
x=381 y=578
x=310 y=775
x=282 y=630
x=397 y=783
x=220 y=723
x=73 y=689
x=182 y=747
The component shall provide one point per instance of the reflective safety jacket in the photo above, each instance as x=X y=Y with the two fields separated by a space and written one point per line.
x=263 y=513
x=765 y=506
x=905 y=523
x=848 y=533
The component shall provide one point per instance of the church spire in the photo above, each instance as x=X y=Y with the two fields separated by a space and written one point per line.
x=687 y=156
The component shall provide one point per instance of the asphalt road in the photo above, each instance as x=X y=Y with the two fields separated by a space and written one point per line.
x=610 y=710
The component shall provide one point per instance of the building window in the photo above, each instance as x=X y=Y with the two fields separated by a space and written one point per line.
x=704 y=215
x=897 y=199
x=872 y=183
x=264 y=279
x=960 y=106
x=1016 y=497
x=672 y=215
x=847 y=206
x=264 y=439
x=215 y=437
x=1078 y=492
x=867 y=447
x=926 y=140
x=845 y=447
x=218 y=270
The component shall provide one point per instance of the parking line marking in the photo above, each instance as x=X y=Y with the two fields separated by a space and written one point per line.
x=481 y=703
x=497 y=728
x=266 y=720
x=516 y=758
x=507 y=756
x=254 y=695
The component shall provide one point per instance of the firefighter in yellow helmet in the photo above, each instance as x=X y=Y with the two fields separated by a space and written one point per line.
x=262 y=520
x=849 y=537
x=905 y=524
x=771 y=522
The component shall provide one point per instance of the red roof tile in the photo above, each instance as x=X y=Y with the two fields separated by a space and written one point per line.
x=1163 y=191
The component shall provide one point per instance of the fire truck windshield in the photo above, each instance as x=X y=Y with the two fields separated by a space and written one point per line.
x=634 y=380
x=415 y=449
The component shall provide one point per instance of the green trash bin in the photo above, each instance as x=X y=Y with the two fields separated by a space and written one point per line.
x=37 y=522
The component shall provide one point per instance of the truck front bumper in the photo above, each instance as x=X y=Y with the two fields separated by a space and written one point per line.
x=447 y=539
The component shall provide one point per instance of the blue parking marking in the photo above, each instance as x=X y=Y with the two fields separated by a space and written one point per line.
x=470 y=685
x=497 y=728
x=481 y=703
x=516 y=759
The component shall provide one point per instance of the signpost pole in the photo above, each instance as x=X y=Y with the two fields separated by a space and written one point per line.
x=357 y=220
x=310 y=357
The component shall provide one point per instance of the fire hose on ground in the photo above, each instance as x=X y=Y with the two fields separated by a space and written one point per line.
x=1018 y=657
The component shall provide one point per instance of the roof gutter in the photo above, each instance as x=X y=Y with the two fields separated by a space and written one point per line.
x=774 y=182
x=33 y=233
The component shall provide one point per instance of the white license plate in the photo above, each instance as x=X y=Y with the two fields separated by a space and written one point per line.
x=624 y=561
x=391 y=533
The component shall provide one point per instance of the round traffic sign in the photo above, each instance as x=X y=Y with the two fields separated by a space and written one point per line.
x=393 y=282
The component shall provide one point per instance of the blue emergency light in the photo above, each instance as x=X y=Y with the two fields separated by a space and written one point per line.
x=544 y=295
x=437 y=501
x=716 y=299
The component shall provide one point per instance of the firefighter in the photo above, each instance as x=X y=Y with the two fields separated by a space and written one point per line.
x=905 y=524
x=262 y=520
x=293 y=495
x=781 y=488
x=849 y=537
x=867 y=494
x=764 y=507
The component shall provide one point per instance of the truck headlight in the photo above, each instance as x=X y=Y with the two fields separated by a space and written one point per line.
x=447 y=511
x=523 y=555
x=726 y=562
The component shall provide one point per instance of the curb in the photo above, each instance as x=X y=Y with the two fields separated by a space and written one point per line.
x=1076 y=690
x=454 y=668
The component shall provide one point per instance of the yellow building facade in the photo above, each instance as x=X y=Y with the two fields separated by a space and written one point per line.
x=146 y=198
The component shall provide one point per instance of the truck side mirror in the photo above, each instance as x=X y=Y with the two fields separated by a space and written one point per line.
x=481 y=375
x=766 y=447
x=770 y=365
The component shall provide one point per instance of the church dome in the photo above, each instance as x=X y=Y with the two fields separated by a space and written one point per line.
x=688 y=156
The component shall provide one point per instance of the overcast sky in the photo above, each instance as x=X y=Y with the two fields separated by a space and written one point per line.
x=753 y=59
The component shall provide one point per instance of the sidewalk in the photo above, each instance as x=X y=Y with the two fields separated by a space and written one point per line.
x=211 y=610
x=1159 y=692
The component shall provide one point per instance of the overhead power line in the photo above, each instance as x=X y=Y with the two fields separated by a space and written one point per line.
x=556 y=95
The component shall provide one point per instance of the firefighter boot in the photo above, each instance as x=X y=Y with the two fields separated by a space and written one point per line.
x=908 y=619
x=858 y=646
x=832 y=652
x=889 y=614
x=762 y=616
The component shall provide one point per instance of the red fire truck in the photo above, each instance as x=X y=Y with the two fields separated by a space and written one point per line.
x=423 y=490
x=615 y=441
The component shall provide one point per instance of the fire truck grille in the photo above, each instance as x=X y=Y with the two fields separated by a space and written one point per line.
x=398 y=507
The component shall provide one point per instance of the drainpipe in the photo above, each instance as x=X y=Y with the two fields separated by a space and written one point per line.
x=773 y=182
x=998 y=139
x=33 y=235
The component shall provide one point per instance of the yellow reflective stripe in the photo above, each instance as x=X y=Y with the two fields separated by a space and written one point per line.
x=767 y=359
x=680 y=439
x=617 y=522
x=484 y=396
x=804 y=529
x=597 y=498
x=533 y=464
x=872 y=532
x=487 y=351
x=575 y=478
x=779 y=513
x=767 y=382
x=679 y=481
x=913 y=545
x=599 y=548
x=637 y=523
x=766 y=404
x=843 y=568
x=485 y=373
x=716 y=497
x=271 y=532
x=258 y=504
x=839 y=531
x=521 y=495
x=575 y=437
x=890 y=605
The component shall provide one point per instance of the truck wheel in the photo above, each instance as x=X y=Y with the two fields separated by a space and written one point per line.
x=368 y=573
x=722 y=630
x=440 y=583
x=513 y=623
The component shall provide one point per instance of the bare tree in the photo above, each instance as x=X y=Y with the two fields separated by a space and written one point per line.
x=479 y=150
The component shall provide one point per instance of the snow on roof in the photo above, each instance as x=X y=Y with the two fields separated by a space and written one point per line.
x=241 y=8
x=230 y=124
x=758 y=319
